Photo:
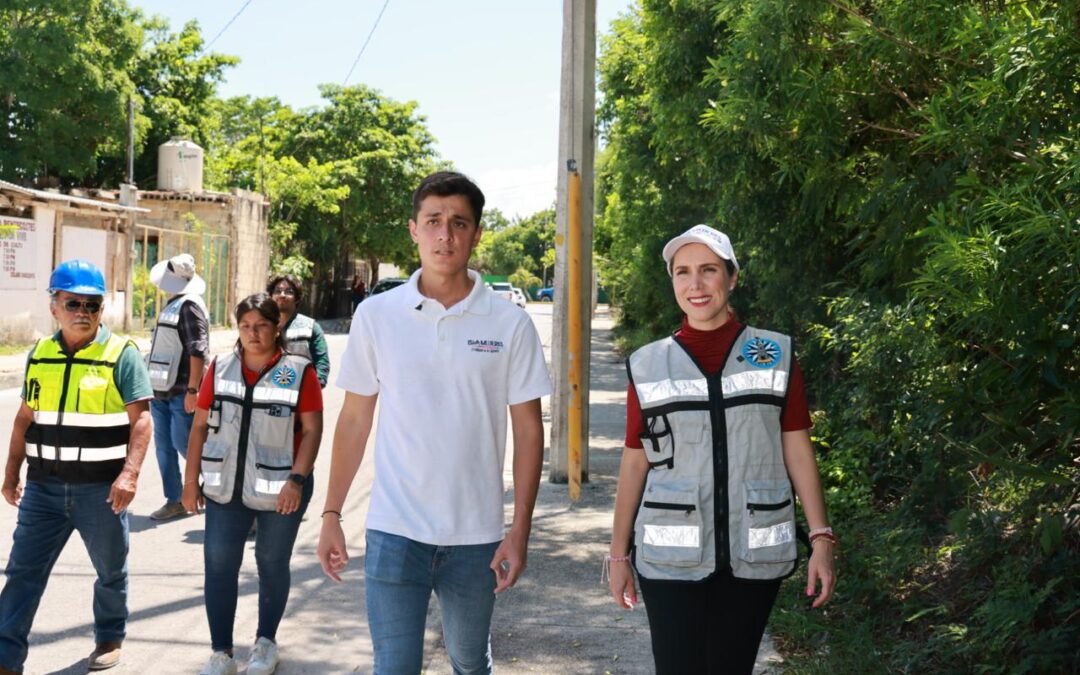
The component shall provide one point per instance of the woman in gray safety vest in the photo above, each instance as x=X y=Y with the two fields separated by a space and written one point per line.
x=303 y=335
x=258 y=423
x=717 y=447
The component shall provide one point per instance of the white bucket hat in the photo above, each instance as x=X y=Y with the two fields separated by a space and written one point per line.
x=177 y=275
x=716 y=240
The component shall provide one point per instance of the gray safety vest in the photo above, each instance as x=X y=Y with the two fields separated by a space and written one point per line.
x=251 y=428
x=298 y=335
x=717 y=492
x=166 y=349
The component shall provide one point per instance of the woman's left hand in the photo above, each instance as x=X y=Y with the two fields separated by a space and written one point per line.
x=821 y=570
x=289 y=498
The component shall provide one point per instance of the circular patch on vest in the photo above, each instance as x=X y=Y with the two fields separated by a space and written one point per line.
x=284 y=376
x=761 y=352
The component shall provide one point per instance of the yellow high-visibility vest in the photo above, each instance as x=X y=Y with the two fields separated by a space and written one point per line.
x=81 y=428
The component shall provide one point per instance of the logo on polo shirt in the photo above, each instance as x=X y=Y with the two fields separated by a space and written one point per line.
x=488 y=346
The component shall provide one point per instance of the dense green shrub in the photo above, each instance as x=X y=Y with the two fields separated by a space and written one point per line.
x=902 y=183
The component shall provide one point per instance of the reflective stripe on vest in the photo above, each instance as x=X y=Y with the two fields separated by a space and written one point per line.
x=298 y=335
x=166 y=349
x=717 y=492
x=80 y=419
x=264 y=415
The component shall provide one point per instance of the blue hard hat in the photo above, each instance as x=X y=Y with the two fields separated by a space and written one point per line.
x=77 y=276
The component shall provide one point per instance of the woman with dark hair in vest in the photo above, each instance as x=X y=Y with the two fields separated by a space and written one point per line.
x=257 y=428
x=303 y=335
x=717 y=438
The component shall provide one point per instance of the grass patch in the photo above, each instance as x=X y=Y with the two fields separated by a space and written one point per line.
x=19 y=348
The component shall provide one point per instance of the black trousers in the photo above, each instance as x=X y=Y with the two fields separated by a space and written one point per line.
x=707 y=627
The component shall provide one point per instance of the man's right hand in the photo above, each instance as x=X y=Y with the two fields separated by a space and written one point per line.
x=331 y=549
x=12 y=491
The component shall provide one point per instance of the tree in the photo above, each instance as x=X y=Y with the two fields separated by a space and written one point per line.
x=177 y=84
x=64 y=83
x=380 y=149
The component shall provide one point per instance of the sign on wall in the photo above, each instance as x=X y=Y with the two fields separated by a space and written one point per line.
x=18 y=253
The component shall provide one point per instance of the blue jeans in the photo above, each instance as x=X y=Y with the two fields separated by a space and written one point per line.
x=400 y=575
x=48 y=513
x=227 y=527
x=172 y=426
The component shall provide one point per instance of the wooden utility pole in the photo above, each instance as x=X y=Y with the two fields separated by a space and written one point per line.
x=571 y=330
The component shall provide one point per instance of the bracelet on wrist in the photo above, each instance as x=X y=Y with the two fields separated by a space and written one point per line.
x=336 y=513
x=605 y=567
x=827 y=536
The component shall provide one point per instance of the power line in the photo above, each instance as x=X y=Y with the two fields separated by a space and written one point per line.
x=235 y=16
x=364 y=46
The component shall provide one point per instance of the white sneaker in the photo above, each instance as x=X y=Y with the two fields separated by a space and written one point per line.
x=220 y=663
x=264 y=657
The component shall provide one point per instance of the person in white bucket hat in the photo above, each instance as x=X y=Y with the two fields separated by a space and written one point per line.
x=176 y=363
x=717 y=449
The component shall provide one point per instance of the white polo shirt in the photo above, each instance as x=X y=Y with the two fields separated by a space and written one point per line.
x=444 y=378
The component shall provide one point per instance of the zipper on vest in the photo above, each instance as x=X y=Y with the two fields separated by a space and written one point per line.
x=259 y=465
x=688 y=508
x=767 y=507
x=245 y=424
x=60 y=435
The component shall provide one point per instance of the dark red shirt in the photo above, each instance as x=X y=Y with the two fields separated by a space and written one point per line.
x=310 y=399
x=709 y=347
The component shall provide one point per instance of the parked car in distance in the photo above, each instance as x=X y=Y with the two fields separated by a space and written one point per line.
x=519 y=297
x=383 y=285
x=504 y=289
x=546 y=294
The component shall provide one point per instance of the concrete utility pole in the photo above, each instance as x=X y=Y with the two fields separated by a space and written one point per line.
x=577 y=150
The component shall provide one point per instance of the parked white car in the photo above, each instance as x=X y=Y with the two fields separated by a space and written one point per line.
x=519 y=297
x=504 y=289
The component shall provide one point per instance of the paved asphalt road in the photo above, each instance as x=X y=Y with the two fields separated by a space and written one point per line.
x=558 y=619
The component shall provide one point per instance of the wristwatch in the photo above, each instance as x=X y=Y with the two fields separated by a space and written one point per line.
x=192 y=390
x=297 y=478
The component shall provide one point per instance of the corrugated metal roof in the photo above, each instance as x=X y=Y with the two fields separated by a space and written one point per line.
x=69 y=199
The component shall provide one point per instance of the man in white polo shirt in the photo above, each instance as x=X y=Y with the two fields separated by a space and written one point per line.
x=447 y=358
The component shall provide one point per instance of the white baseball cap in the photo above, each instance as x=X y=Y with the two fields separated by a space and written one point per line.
x=177 y=275
x=716 y=240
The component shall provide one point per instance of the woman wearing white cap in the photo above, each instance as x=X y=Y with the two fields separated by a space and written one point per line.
x=717 y=437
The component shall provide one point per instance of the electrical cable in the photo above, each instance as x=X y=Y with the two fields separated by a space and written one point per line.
x=226 y=27
x=366 y=41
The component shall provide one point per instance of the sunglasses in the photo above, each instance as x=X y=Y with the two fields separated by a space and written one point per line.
x=283 y=291
x=91 y=306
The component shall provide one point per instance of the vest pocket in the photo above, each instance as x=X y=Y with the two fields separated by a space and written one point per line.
x=671 y=525
x=659 y=443
x=767 y=534
x=91 y=394
x=272 y=469
x=43 y=391
x=212 y=465
x=162 y=369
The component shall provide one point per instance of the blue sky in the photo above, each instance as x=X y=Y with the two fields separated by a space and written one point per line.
x=484 y=72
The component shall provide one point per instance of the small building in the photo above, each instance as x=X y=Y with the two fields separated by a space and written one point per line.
x=226 y=233
x=38 y=229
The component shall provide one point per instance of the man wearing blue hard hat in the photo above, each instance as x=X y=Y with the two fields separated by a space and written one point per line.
x=82 y=428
